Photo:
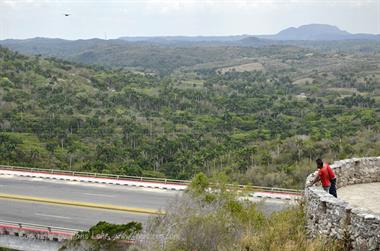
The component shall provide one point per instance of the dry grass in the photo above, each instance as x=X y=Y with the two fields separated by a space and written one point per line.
x=303 y=81
x=243 y=68
x=222 y=223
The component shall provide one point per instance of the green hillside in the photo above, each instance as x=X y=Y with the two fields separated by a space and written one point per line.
x=167 y=56
x=263 y=127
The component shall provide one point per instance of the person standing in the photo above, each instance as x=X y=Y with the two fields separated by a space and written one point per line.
x=327 y=177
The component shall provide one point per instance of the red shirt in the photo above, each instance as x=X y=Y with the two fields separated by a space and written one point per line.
x=325 y=176
x=330 y=171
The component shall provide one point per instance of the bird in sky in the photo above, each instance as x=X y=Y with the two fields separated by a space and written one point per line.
x=67 y=14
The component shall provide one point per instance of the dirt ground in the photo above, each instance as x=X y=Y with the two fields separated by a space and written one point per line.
x=362 y=195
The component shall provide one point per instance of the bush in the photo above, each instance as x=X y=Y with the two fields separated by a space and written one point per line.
x=104 y=236
x=199 y=183
x=107 y=231
x=193 y=222
x=132 y=170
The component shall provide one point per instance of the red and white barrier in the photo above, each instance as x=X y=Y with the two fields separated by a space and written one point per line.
x=276 y=195
x=122 y=182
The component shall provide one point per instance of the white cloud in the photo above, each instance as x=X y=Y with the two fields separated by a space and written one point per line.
x=26 y=3
x=247 y=3
x=92 y=18
x=168 y=6
x=177 y=5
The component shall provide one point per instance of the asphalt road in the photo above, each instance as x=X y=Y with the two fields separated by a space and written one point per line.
x=84 y=192
x=62 y=216
x=80 y=217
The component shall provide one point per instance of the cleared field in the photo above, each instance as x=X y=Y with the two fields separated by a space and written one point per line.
x=343 y=91
x=190 y=84
x=303 y=81
x=243 y=67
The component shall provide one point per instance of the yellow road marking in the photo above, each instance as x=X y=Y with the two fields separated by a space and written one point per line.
x=80 y=204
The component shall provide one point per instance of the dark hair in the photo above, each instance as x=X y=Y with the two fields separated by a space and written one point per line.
x=319 y=162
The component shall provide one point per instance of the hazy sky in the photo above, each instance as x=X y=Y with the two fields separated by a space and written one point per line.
x=115 y=18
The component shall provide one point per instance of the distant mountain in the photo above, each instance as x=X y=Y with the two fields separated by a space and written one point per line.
x=312 y=32
x=309 y=32
x=153 y=56
x=58 y=47
x=319 y=32
x=167 y=53
x=185 y=39
x=255 y=41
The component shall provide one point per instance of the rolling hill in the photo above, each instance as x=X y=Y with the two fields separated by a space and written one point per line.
x=318 y=32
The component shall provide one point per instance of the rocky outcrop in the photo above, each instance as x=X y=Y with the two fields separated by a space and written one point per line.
x=332 y=217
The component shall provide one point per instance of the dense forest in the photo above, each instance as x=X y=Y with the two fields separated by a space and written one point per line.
x=261 y=120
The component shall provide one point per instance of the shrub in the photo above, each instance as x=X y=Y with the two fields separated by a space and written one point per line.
x=107 y=231
x=194 y=222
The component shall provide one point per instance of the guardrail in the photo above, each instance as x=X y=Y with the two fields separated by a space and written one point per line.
x=147 y=179
x=267 y=189
x=37 y=227
x=96 y=175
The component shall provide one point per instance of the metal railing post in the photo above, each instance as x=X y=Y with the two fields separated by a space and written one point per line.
x=21 y=225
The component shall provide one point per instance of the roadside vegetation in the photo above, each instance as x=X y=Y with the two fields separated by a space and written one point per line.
x=201 y=220
x=219 y=220
x=261 y=127
x=104 y=236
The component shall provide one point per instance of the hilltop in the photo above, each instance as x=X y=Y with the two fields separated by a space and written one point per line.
x=318 y=32
x=308 y=32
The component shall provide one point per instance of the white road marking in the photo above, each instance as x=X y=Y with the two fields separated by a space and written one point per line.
x=8 y=176
x=99 y=194
x=53 y=216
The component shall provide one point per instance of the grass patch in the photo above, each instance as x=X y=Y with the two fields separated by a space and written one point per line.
x=243 y=68
x=29 y=141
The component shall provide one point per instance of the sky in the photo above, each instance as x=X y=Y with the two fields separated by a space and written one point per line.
x=115 y=18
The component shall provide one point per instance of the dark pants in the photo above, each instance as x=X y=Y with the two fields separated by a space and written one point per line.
x=332 y=190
